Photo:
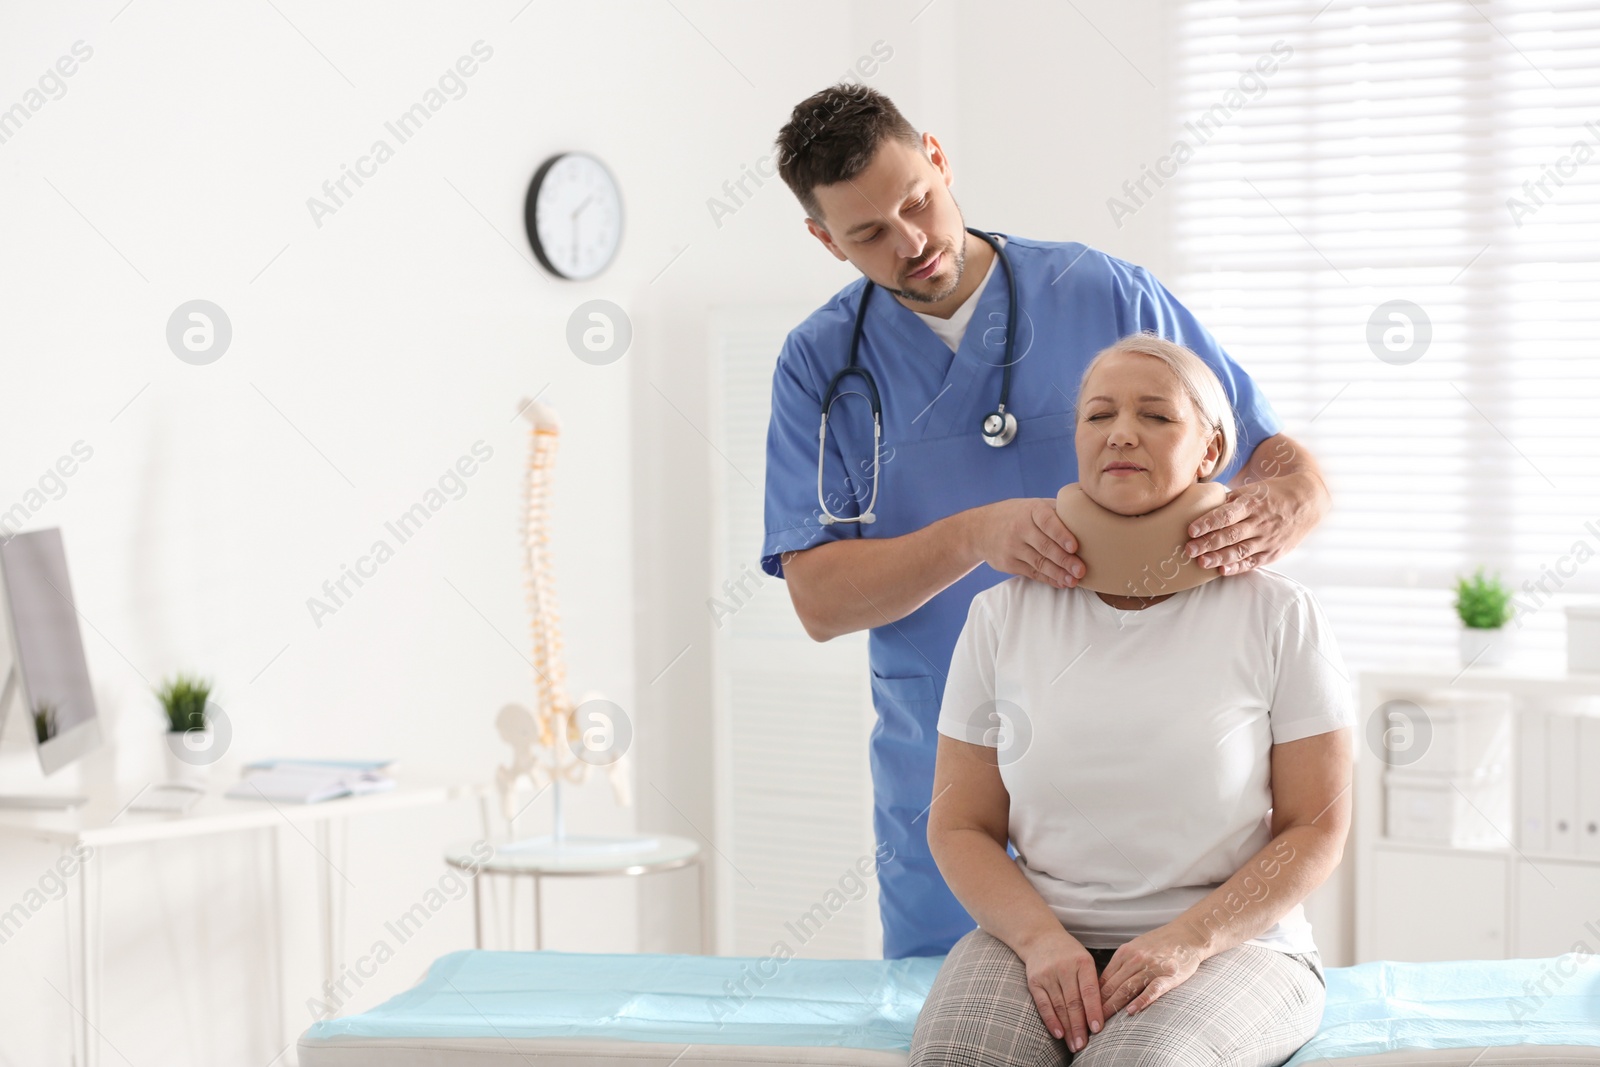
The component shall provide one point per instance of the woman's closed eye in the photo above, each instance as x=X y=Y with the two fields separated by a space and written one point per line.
x=1148 y=415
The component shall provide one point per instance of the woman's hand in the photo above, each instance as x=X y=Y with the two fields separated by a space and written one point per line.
x=1061 y=977
x=1148 y=966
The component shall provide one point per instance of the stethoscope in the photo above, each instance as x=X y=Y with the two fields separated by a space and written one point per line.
x=999 y=426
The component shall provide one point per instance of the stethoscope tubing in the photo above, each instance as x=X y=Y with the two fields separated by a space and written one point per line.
x=1003 y=436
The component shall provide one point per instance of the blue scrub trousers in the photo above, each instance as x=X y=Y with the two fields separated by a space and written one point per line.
x=921 y=916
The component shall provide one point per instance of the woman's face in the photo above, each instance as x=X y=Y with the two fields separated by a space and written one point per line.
x=1140 y=440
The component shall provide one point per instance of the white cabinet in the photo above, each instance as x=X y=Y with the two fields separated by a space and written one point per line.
x=1418 y=901
x=1438 y=905
x=1558 y=907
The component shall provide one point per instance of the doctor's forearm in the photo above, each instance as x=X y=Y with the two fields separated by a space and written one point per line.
x=844 y=586
x=1275 y=457
x=1283 y=464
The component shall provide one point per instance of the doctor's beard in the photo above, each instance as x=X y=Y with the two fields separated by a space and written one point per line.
x=956 y=254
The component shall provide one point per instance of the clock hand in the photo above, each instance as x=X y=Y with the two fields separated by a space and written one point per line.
x=575 y=213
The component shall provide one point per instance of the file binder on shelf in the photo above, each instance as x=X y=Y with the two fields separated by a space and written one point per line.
x=1533 y=802
x=1588 y=771
x=1563 y=782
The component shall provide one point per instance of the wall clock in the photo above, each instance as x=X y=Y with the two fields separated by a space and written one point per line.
x=573 y=215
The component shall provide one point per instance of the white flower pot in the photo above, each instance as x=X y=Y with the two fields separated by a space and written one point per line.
x=189 y=755
x=1484 y=648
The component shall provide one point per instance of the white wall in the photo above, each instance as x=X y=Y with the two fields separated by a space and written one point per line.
x=372 y=351
x=368 y=354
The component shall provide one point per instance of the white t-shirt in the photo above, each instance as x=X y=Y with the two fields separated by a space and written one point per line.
x=951 y=330
x=1135 y=744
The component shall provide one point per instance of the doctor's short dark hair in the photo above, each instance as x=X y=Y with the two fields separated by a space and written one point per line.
x=831 y=136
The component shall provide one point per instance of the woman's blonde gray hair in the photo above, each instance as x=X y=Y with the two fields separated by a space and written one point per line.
x=1194 y=376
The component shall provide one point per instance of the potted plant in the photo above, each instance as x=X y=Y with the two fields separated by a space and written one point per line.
x=1484 y=605
x=44 y=721
x=189 y=736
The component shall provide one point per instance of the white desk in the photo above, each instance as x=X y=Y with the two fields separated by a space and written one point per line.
x=104 y=822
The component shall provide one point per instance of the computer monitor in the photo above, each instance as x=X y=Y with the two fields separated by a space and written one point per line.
x=45 y=670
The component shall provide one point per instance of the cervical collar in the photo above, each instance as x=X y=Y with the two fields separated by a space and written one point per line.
x=1138 y=555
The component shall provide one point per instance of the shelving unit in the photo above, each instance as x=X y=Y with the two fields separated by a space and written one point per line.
x=1424 y=901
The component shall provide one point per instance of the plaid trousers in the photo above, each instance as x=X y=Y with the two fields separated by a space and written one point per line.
x=1245 y=1007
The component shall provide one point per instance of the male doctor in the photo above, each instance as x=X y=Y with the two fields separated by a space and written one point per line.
x=954 y=514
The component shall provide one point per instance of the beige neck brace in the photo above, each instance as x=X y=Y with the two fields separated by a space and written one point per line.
x=1138 y=555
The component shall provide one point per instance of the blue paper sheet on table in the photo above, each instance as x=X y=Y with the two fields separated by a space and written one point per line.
x=1371 y=1008
x=870 y=1004
x=1385 y=1006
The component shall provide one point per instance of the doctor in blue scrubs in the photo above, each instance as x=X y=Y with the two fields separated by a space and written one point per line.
x=953 y=513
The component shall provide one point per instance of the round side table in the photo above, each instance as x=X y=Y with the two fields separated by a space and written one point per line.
x=669 y=854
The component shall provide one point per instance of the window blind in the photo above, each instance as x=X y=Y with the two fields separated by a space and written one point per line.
x=1390 y=215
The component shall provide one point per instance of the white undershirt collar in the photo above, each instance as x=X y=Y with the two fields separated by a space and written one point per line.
x=951 y=330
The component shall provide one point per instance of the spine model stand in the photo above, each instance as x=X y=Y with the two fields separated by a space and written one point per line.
x=551 y=745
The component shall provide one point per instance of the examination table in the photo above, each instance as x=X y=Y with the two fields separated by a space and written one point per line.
x=565 y=1009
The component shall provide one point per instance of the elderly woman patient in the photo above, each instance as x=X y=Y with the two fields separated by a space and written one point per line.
x=1172 y=770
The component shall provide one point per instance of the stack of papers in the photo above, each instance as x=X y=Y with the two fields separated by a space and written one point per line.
x=311 y=781
x=343 y=764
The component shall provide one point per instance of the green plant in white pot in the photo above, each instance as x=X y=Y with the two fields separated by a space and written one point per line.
x=1484 y=607
x=189 y=736
x=45 y=722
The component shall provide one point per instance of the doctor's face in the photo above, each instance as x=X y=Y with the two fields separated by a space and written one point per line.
x=897 y=222
x=1140 y=439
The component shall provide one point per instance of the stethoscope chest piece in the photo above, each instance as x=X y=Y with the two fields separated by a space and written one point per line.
x=999 y=428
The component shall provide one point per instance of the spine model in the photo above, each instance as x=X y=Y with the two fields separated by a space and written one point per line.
x=558 y=736
x=554 y=707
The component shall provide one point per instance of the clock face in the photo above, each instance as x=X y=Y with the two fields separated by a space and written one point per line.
x=574 y=216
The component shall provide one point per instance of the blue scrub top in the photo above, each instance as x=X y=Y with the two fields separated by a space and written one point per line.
x=1072 y=301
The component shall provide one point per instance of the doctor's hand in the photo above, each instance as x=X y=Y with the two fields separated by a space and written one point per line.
x=1025 y=536
x=1146 y=967
x=1061 y=977
x=1258 y=523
